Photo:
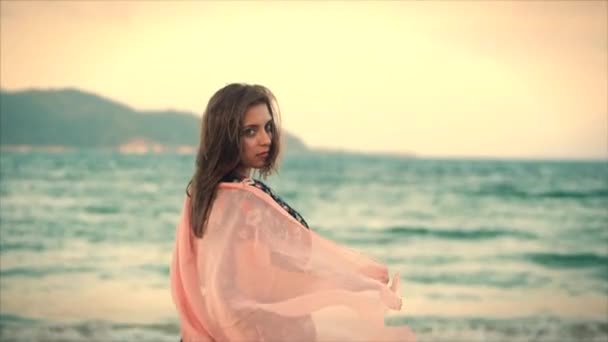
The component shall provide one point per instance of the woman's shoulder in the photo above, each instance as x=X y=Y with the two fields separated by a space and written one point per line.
x=233 y=179
x=246 y=195
x=245 y=186
x=254 y=187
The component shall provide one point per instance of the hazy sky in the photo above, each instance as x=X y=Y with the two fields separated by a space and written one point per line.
x=441 y=78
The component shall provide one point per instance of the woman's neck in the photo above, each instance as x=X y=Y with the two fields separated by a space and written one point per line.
x=243 y=172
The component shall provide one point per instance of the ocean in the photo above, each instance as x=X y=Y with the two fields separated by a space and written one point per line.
x=487 y=250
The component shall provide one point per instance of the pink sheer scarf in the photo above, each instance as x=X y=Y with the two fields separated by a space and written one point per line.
x=258 y=275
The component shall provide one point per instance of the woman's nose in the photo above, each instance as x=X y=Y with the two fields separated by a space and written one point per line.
x=265 y=138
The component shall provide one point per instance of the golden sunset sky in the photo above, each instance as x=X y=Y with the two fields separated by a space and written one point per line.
x=437 y=78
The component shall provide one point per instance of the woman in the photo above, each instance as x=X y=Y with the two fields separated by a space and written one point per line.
x=245 y=265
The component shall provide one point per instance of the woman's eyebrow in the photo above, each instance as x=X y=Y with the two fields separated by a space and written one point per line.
x=256 y=125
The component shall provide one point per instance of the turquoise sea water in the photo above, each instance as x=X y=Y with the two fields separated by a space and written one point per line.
x=487 y=250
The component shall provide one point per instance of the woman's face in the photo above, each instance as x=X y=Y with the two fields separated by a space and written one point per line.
x=256 y=138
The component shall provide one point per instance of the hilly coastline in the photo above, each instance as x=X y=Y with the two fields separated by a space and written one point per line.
x=63 y=119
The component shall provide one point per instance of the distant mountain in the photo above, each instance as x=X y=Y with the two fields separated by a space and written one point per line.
x=74 y=118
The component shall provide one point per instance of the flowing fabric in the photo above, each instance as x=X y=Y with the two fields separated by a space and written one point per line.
x=259 y=275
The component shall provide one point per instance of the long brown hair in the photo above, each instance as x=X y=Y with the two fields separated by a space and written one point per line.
x=220 y=140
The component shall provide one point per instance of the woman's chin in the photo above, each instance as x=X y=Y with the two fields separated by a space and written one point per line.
x=258 y=166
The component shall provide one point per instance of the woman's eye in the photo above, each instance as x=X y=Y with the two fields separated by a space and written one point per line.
x=268 y=128
x=249 y=132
